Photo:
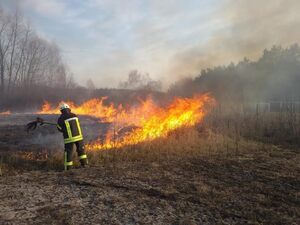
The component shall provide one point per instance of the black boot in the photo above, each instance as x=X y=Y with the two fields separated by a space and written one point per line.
x=83 y=162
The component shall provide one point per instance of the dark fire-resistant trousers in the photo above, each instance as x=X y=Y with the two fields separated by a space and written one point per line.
x=69 y=152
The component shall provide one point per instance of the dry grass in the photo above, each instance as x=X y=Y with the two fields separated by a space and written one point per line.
x=192 y=177
x=185 y=143
x=220 y=134
x=225 y=171
x=274 y=128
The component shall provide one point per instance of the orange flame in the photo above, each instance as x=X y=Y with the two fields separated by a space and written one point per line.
x=145 y=122
x=152 y=122
x=5 y=113
x=93 y=107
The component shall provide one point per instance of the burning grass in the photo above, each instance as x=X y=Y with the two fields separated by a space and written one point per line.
x=5 y=113
x=148 y=120
x=182 y=144
x=157 y=122
x=224 y=168
x=93 y=107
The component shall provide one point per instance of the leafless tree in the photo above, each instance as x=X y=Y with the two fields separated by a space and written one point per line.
x=26 y=59
x=5 y=40
x=138 y=81
x=90 y=84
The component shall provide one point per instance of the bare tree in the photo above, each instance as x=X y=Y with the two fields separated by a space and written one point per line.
x=5 y=40
x=71 y=83
x=138 y=81
x=14 y=25
x=90 y=84
x=26 y=59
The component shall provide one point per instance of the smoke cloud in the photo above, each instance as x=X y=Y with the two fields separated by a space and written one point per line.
x=247 y=28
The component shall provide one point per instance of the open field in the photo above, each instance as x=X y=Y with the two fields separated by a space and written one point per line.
x=210 y=174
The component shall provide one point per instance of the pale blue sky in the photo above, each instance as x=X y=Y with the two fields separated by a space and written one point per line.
x=105 y=39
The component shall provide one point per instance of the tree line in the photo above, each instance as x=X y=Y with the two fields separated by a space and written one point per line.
x=275 y=76
x=26 y=59
x=32 y=70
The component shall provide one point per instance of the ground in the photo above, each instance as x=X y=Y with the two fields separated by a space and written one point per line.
x=260 y=185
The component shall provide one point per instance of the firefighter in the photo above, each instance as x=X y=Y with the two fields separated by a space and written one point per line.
x=69 y=125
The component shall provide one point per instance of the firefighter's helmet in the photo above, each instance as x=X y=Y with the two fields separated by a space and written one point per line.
x=64 y=106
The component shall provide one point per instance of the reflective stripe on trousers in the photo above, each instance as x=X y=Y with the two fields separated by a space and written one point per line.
x=83 y=156
x=66 y=163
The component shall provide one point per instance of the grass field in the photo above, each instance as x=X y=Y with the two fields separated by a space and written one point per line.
x=228 y=170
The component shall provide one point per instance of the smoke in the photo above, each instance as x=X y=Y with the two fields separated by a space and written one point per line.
x=167 y=39
x=52 y=141
x=247 y=28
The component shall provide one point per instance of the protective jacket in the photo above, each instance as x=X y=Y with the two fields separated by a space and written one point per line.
x=69 y=125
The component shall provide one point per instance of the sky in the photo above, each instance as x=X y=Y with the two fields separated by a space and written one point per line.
x=104 y=40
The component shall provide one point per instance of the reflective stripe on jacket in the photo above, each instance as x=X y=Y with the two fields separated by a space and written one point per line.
x=69 y=125
x=73 y=130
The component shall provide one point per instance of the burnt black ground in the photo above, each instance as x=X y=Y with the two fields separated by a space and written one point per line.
x=14 y=137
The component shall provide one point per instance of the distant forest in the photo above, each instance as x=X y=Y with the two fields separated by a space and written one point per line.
x=275 y=76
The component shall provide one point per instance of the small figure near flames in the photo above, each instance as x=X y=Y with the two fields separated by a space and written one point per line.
x=68 y=124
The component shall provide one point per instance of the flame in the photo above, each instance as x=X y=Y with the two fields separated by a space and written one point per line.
x=5 y=113
x=136 y=124
x=93 y=107
x=152 y=121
